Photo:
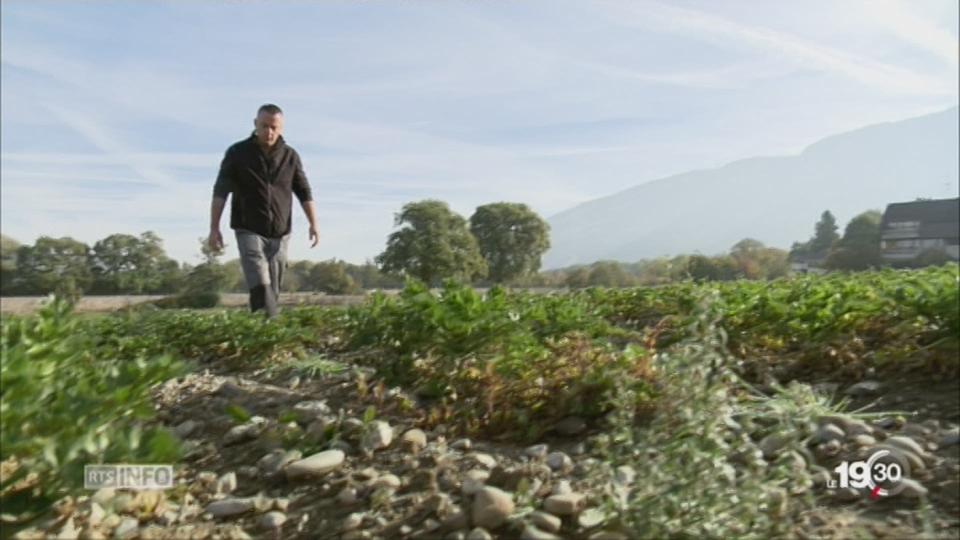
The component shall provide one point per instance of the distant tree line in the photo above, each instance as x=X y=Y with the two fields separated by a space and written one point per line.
x=747 y=259
x=857 y=249
x=117 y=264
x=123 y=264
x=501 y=243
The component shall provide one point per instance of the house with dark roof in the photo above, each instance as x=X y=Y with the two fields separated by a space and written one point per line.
x=910 y=228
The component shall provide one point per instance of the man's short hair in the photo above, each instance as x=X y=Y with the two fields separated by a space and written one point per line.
x=269 y=108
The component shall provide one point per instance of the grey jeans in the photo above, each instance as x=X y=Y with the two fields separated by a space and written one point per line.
x=264 y=261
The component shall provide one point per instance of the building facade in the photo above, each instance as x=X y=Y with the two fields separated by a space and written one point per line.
x=909 y=229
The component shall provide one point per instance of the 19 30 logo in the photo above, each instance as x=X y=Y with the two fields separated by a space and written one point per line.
x=881 y=473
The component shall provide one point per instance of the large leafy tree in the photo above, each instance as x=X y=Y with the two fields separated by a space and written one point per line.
x=824 y=237
x=859 y=249
x=58 y=265
x=757 y=261
x=172 y=276
x=745 y=253
x=297 y=277
x=511 y=237
x=825 y=234
x=433 y=243
x=123 y=263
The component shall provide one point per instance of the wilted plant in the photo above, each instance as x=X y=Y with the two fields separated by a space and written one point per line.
x=704 y=473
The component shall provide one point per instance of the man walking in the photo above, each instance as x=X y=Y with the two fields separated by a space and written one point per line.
x=262 y=172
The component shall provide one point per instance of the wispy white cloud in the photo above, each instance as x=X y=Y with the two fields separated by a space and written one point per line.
x=96 y=131
x=731 y=76
x=119 y=88
x=915 y=29
x=116 y=157
x=801 y=52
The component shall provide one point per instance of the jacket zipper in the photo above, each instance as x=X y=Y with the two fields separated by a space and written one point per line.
x=266 y=167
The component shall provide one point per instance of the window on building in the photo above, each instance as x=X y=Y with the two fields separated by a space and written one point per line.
x=903 y=224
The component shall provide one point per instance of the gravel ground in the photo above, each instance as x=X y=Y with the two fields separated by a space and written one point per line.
x=387 y=479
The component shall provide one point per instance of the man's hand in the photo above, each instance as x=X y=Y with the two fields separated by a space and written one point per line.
x=311 y=212
x=215 y=241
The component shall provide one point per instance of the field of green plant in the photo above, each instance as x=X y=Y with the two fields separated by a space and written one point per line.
x=503 y=364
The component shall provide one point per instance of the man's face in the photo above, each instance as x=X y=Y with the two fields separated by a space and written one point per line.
x=269 y=127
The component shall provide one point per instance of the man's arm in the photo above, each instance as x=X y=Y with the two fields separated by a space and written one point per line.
x=221 y=189
x=301 y=188
x=311 y=211
x=216 y=210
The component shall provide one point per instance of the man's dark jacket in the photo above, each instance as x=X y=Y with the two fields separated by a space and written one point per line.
x=262 y=185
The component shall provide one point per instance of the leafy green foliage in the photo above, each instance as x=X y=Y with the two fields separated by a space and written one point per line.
x=825 y=234
x=336 y=277
x=748 y=259
x=8 y=261
x=824 y=237
x=896 y=319
x=204 y=283
x=433 y=244
x=702 y=268
x=237 y=413
x=757 y=261
x=859 y=248
x=123 y=263
x=226 y=336
x=497 y=361
x=314 y=366
x=58 y=265
x=297 y=276
x=331 y=277
x=117 y=264
x=67 y=403
x=511 y=237
x=609 y=274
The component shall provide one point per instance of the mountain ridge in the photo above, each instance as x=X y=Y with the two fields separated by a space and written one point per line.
x=775 y=199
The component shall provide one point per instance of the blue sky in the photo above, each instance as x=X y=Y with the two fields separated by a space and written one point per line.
x=115 y=114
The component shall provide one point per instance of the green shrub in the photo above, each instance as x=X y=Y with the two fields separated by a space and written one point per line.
x=202 y=287
x=64 y=405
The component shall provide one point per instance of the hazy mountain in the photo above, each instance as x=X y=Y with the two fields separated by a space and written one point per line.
x=776 y=200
